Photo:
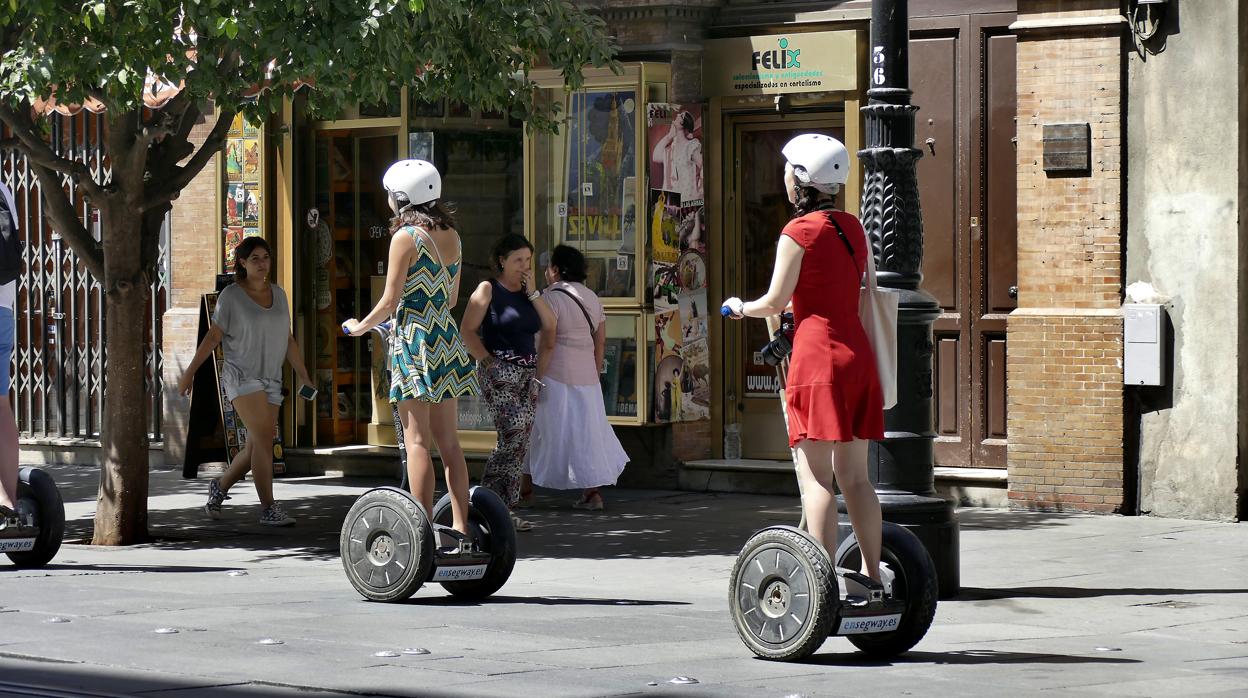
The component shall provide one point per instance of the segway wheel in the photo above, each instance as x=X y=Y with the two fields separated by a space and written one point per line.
x=915 y=584
x=39 y=489
x=782 y=594
x=386 y=545
x=489 y=523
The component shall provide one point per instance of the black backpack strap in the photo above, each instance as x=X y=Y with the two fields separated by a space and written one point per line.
x=584 y=312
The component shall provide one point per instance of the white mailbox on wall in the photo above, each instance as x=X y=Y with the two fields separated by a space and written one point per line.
x=1144 y=342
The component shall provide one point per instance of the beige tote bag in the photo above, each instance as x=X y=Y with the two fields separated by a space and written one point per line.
x=877 y=308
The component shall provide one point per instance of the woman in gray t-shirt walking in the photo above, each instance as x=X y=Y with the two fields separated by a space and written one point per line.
x=252 y=321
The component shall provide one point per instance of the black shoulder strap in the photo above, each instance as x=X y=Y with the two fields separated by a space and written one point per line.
x=576 y=300
x=848 y=246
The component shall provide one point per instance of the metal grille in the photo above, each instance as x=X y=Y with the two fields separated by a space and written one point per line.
x=59 y=355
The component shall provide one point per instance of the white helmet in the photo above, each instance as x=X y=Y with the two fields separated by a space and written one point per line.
x=412 y=182
x=818 y=161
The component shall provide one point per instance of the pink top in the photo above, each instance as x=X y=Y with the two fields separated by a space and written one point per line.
x=572 y=361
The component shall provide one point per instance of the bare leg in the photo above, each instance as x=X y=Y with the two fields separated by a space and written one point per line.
x=850 y=462
x=260 y=418
x=820 y=464
x=444 y=422
x=417 y=440
x=817 y=476
x=8 y=454
x=238 y=467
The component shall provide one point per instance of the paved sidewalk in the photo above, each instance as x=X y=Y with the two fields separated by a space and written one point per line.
x=605 y=604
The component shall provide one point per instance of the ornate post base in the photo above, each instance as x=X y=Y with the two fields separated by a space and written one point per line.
x=901 y=466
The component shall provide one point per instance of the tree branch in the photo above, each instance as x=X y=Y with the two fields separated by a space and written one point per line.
x=38 y=150
x=182 y=176
x=65 y=220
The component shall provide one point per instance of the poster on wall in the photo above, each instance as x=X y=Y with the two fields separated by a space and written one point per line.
x=601 y=155
x=242 y=198
x=678 y=277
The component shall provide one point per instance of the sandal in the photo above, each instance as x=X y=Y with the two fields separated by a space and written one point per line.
x=520 y=524
x=594 y=503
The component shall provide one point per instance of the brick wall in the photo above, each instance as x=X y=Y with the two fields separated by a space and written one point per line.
x=194 y=263
x=1065 y=340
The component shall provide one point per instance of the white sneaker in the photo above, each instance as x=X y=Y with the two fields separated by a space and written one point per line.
x=272 y=515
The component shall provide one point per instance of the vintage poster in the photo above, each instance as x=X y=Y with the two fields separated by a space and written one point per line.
x=674 y=134
x=678 y=279
x=695 y=384
x=243 y=170
x=601 y=155
x=233 y=236
x=667 y=388
x=628 y=231
x=664 y=286
x=251 y=208
x=692 y=315
x=664 y=225
x=234 y=160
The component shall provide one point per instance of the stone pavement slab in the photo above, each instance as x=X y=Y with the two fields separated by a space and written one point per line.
x=611 y=603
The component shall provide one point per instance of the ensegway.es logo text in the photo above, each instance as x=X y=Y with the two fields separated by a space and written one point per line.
x=785 y=57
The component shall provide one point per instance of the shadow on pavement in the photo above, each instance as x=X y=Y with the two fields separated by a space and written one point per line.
x=964 y=657
x=979 y=594
x=635 y=524
x=533 y=601
x=70 y=566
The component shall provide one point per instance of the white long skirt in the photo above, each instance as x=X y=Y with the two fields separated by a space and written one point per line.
x=572 y=446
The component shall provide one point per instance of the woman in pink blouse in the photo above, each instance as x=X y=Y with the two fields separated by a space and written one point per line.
x=572 y=444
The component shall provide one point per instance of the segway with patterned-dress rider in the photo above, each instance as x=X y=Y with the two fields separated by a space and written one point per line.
x=390 y=543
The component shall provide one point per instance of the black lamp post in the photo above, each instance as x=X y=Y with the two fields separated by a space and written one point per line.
x=901 y=465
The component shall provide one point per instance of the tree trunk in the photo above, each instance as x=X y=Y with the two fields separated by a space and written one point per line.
x=121 y=507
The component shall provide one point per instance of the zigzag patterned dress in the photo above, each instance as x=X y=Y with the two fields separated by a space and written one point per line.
x=428 y=358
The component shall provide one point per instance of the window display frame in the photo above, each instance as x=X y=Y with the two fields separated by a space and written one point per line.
x=650 y=83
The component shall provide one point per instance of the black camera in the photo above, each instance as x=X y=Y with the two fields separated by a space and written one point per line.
x=781 y=344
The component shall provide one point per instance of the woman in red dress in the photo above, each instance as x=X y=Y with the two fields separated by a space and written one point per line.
x=834 y=402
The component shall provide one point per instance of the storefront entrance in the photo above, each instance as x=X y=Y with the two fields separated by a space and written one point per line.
x=343 y=263
x=754 y=215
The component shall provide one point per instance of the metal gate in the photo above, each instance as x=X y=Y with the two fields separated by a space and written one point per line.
x=59 y=353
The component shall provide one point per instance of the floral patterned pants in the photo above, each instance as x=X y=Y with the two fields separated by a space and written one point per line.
x=509 y=390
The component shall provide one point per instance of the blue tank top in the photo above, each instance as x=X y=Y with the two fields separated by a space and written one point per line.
x=509 y=326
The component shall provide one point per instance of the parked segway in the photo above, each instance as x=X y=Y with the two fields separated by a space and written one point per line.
x=35 y=537
x=787 y=597
x=390 y=547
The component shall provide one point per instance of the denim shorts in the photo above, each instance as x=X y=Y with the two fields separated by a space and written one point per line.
x=8 y=328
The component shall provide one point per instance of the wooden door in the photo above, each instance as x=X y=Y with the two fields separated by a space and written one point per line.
x=962 y=71
x=756 y=212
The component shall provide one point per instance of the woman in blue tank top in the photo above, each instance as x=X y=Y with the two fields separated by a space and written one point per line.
x=507 y=314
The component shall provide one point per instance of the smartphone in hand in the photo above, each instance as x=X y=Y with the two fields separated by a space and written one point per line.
x=307 y=392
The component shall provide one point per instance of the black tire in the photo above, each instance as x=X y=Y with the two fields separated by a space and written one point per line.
x=915 y=583
x=489 y=522
x=39 y=487
x=386 y=545
x=782 y=594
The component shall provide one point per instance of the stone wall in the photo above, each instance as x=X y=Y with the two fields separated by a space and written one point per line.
x=1065 y=339
x=1184 y=236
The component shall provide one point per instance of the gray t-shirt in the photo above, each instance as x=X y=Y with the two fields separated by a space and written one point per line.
x=255 y=338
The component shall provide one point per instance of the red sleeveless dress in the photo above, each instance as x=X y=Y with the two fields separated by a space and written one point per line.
x=833 y=390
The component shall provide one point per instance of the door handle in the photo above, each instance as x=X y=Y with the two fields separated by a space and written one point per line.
x=1013 y=292
x=931 y=145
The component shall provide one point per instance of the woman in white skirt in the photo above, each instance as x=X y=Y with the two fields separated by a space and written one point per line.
x=572 y=444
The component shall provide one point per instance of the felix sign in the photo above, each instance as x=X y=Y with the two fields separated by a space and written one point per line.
x=781 y=64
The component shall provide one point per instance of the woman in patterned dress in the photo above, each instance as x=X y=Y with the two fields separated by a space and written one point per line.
x=429 y=364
